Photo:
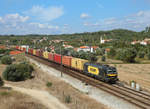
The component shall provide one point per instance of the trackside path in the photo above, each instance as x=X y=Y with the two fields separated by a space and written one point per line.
x=44 y=97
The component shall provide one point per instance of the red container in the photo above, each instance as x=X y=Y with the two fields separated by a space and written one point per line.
x=66 y=60
x=51 y=56
x=57 y=58
x=30 y=50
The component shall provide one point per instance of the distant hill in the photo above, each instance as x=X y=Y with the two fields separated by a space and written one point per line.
x=121 y=34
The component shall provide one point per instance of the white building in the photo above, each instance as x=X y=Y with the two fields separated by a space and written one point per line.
x=143 y=42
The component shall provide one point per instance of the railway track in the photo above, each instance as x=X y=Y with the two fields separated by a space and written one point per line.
x=137 y=98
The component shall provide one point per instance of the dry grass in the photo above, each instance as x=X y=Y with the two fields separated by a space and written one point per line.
x=14 y=100
x=138 y=72
x=108 y=61
x=60 y=89
x=20 y=58
x=2 y=68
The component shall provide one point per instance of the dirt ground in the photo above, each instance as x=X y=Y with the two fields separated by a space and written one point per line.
x=14 y=100
x=42 y=96
x=2 y=68
x=60 y=90
x=137 y=72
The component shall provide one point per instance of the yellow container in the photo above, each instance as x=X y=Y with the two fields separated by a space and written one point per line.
x=78 y=63
x=45 y=54
x=34 y=51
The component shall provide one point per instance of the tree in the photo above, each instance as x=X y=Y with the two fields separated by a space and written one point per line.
x=147 y=29
x=100 y=52
x=148 y=55
x=112 y=53
x=141 y=54
x=6 y=60
x=18 y=72
x=92 y=58
x=128 y=55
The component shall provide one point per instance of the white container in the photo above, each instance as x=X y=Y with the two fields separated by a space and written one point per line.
x=137 y=87
x=133 y=85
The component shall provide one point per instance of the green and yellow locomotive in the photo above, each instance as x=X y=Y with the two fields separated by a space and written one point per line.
x=105 y=73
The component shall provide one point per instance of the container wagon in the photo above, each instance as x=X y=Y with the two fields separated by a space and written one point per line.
x=66 y=61
x=57 y=58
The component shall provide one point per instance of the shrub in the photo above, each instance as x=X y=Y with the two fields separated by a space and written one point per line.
x=103 y=58
x=6 y=60
x=18 y=72
x=48 y=84
x=148 y=55
x=111 y=53
x=141 y=54
x=92 y=58
x=67 y=99
x=100 y=52
x=127 y=55
x=1 y=82
x=4 y=93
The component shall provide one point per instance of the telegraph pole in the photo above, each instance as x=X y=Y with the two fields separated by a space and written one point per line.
x=61 y=61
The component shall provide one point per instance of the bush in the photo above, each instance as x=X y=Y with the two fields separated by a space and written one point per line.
x=111 y=53
x=4 y=93
x=1 y=82
x=92 y=58
x=103 y=58
x=6 y=60
x=141 y=54
x=127 y=55
x=148 y=55
x=18 y=72
x=48 y=84
x=68 y=99
x=100 y=52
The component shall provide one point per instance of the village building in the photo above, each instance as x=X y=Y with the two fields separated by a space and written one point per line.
x=103 y=41
x=143 y=42
x=86 y=48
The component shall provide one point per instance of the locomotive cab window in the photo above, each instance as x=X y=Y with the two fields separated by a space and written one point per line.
x=93 y=70
x=111 y=71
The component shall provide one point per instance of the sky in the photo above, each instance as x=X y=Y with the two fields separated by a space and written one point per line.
x=72 y=16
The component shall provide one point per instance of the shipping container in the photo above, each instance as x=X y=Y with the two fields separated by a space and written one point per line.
x=31 y=51
x=78 y=63
x=34 y=51
x=45 y=54
x=57 y=58
x=66 y=60
x=37 y=52
x=41 y=53
x=51 y=56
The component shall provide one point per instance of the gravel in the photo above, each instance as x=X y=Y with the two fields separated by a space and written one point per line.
x=105 y=98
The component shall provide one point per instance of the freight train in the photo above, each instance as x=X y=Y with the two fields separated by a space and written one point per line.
x=101 y=72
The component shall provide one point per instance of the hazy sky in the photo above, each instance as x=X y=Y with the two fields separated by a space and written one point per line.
x=70 y=16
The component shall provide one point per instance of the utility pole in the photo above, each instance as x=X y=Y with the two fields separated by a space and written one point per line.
x=61 y=61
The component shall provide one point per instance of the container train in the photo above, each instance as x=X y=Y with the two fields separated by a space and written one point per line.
x=104 y=73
